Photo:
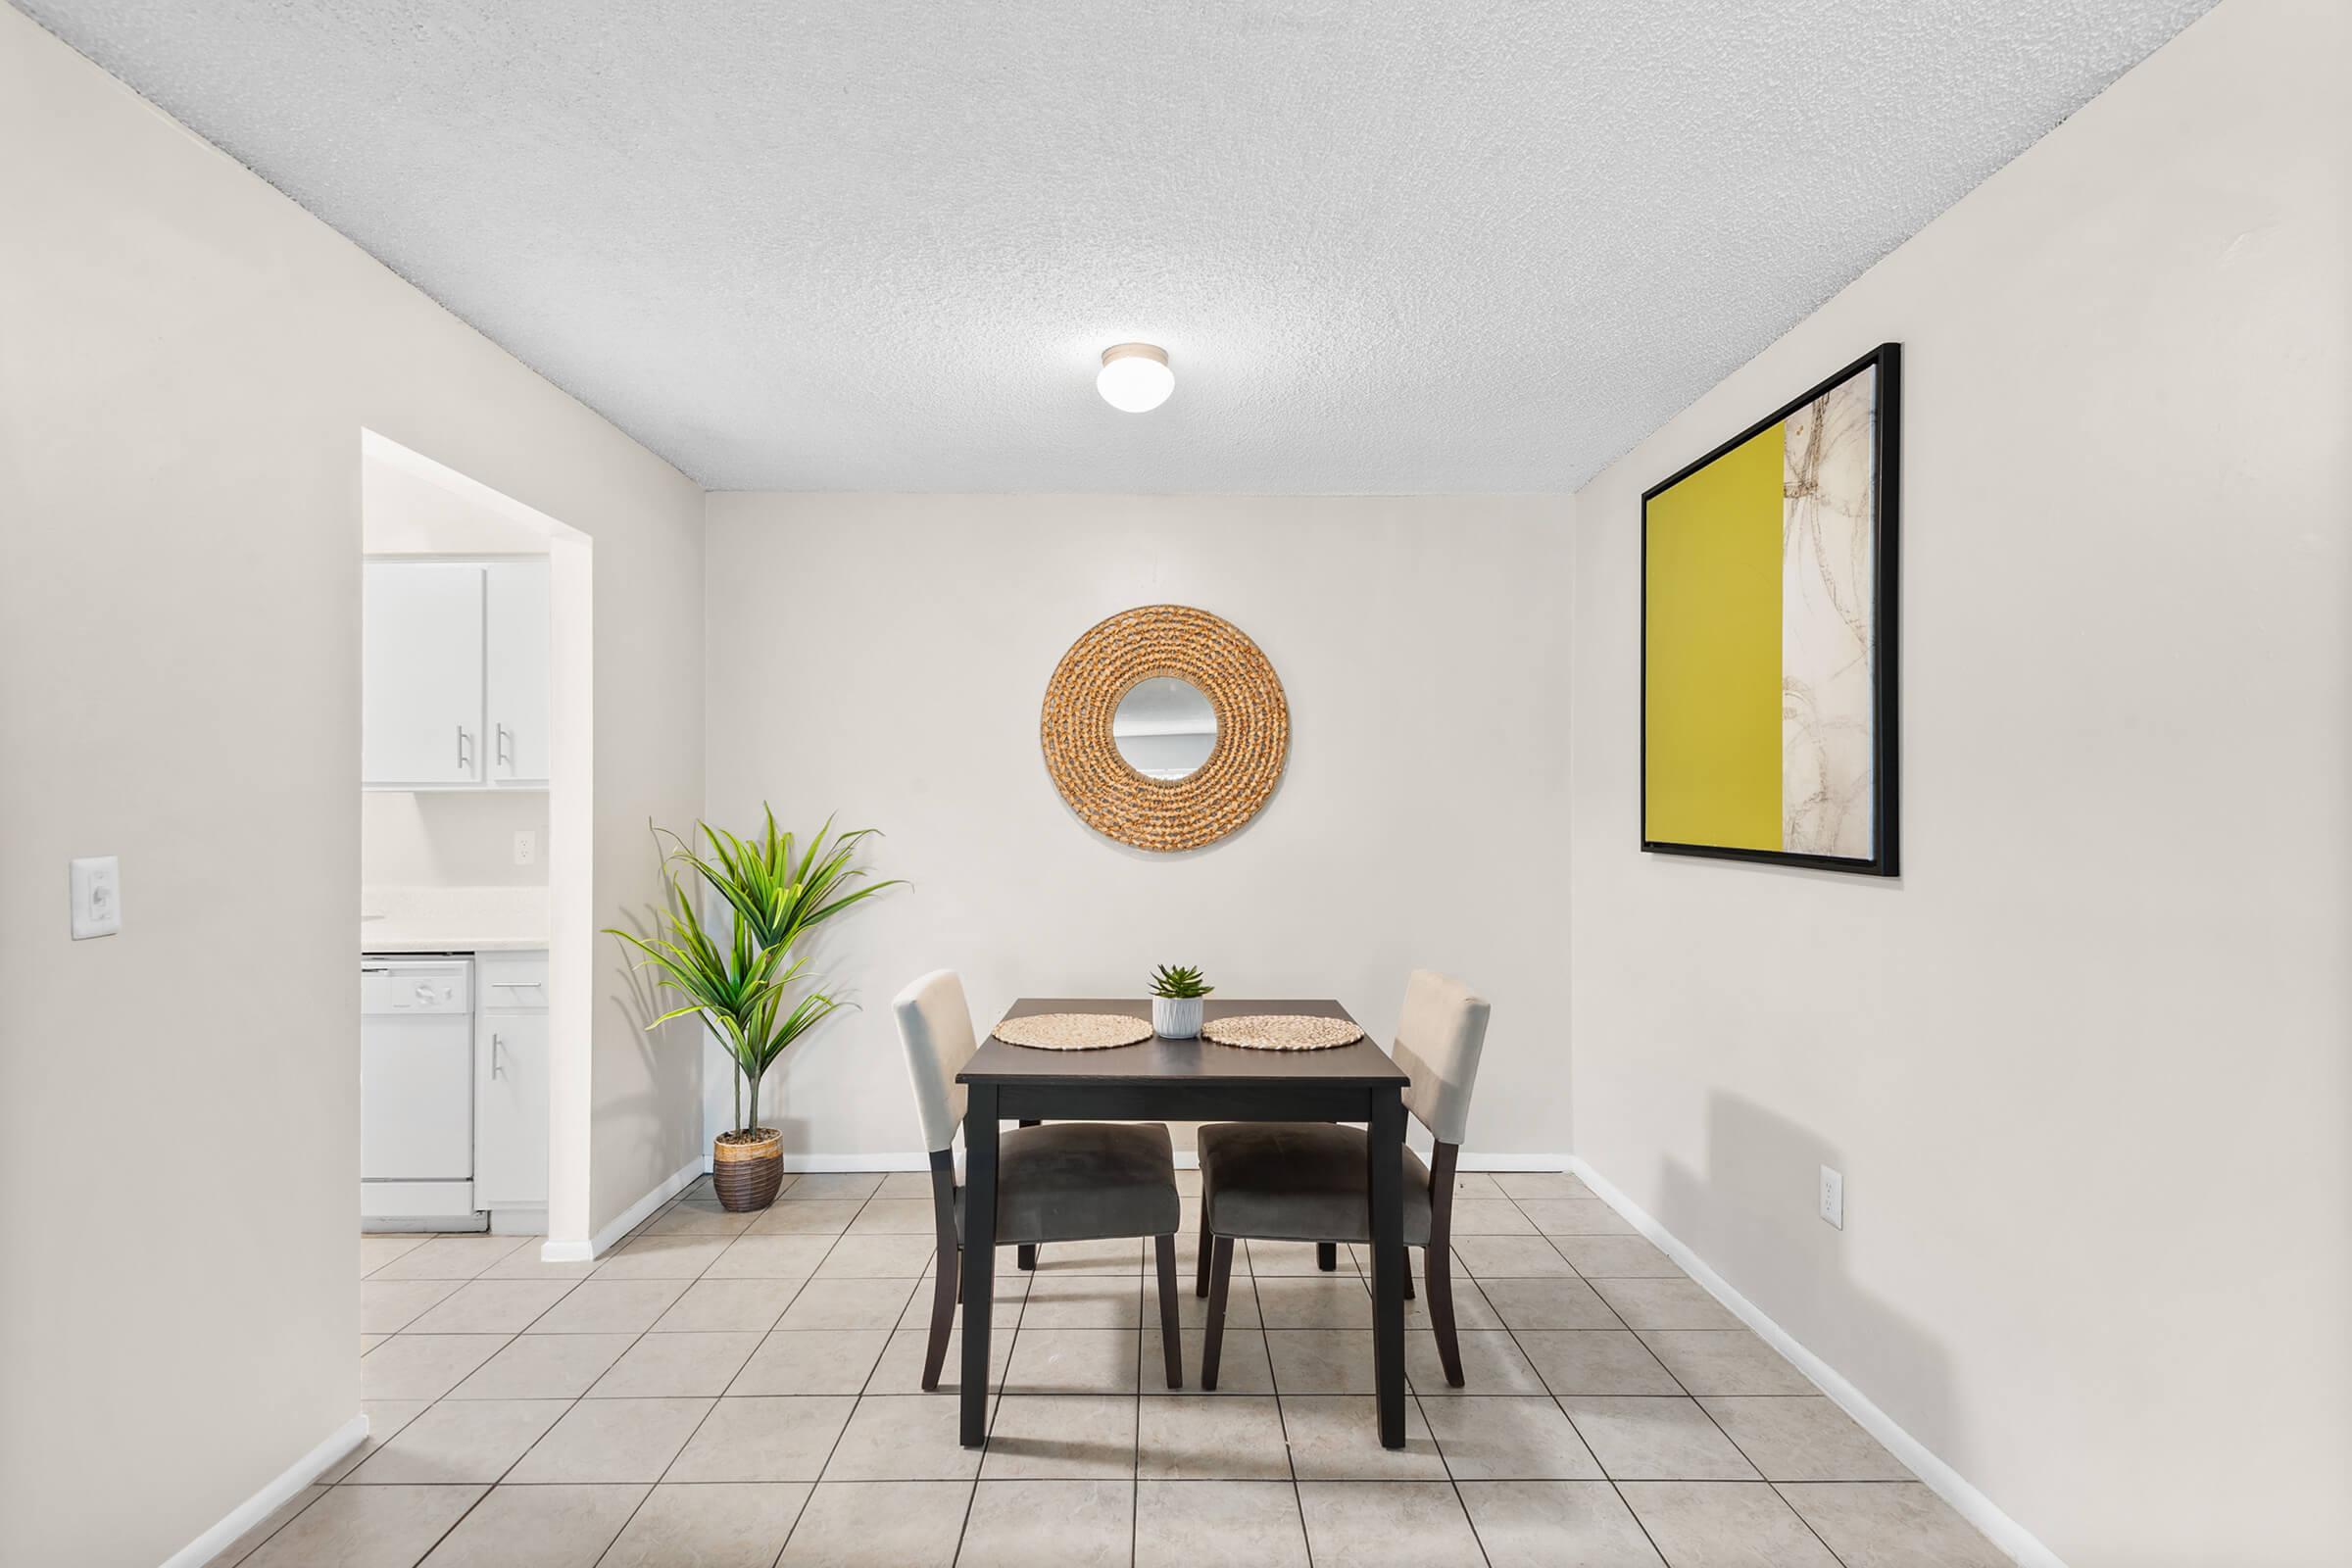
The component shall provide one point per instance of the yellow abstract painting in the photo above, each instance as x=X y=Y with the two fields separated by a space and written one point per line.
x=1767 y=707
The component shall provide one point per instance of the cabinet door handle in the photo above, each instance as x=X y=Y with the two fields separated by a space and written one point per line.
x=504 y=760
x=497 y=1067
x=465 y=750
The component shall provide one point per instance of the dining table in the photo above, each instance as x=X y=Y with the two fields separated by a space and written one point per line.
x=1161 y=1079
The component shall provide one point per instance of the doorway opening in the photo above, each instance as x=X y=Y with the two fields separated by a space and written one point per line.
x=476 y=852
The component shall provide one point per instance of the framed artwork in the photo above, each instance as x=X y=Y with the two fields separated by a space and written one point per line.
x=1768 y=635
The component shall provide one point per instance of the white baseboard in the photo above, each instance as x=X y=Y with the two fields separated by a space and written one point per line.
x=603 y=1241
x=267 y=1501
x=1947 y=1483
x=1510 y=1162
x=852 y=1162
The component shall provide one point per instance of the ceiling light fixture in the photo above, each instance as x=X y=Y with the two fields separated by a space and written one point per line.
x=1135 y=377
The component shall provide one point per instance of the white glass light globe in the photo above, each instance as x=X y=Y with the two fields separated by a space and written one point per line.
x=1135 y=377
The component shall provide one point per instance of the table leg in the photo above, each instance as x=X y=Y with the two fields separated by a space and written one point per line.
x=1025 y=1256
x=1385 y=1150
x=980 y=1257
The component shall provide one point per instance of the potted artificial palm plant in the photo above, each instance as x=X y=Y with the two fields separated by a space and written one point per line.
x=742 y=985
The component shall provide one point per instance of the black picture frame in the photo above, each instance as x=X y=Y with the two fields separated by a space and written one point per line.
x=1886 y=448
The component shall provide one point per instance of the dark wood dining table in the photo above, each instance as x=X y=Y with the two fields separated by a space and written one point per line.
x=1186 y=1080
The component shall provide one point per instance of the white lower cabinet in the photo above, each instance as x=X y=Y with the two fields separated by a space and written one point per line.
x=510 y=1091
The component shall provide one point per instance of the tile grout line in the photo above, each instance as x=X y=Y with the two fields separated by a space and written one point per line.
x=1453 y=1481
x=466 y=1512
x=854 y=1400
x=1135 y=1452
x=1615 y=1489
x=993 y=1395
x=582 y=1396
x=1144 y=1279
x=1274 y=1383
x=731 y=1377
x=1744 y=1456
x=571 y=1404
x=1676 y=1378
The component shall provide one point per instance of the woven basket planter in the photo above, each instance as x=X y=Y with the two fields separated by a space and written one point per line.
x=747 y=1176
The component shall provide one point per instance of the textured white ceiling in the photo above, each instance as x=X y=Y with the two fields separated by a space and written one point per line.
x=879 y=244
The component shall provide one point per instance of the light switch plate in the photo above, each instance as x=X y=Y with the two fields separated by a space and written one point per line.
x=97 y=881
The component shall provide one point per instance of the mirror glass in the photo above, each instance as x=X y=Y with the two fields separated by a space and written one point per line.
x=1164 y=728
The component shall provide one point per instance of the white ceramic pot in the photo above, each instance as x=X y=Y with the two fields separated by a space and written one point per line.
x=1176 y=1018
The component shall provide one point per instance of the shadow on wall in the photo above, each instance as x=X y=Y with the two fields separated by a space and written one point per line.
x=1749 y=1214
x=642 y=1001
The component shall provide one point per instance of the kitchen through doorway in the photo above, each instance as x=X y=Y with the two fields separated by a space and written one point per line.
x=475 y=924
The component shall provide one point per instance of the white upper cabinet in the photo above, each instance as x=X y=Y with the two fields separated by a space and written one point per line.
x=455 y=667
x=422 y=674
x=517 y=671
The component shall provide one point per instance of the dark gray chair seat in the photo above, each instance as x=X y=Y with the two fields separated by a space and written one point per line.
x=1298 y=1182
x=1079 y=1181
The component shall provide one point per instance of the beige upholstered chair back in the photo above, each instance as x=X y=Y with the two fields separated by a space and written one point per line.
x=1439 y=1039
x=936 y=1024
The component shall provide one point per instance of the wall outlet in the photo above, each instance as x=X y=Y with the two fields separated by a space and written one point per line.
x=97 y=889
x=1832 y=1198
x=526 y=846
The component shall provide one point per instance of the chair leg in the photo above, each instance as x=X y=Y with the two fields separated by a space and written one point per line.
x=1212 y=1340
x=1327 y=1256
x=1441 y=1311
x=1437 y=1258
x=1201 y=1277
x=1163 y=1249
x=1408 y=1273
x=943 y=1315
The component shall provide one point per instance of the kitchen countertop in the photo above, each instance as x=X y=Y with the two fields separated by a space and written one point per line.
x=425 y=919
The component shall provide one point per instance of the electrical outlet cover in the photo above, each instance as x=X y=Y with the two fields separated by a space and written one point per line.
x=1832 y=1198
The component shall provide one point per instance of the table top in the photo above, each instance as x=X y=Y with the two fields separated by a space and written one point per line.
x=1360 y=1063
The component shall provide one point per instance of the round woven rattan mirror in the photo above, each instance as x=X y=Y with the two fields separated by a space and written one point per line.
x=1109 y=792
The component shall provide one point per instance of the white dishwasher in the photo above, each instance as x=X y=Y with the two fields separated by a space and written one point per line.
x=416 y=1091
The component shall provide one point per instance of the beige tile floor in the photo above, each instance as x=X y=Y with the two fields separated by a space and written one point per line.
x=743 y=1392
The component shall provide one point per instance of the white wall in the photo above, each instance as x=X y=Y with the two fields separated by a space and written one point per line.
x=403 y=513
x=189 y=363
x=886 y=656
x=451 y=838
x=2084 y=1067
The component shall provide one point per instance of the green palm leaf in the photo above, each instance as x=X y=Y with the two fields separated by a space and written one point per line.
x=775 y=892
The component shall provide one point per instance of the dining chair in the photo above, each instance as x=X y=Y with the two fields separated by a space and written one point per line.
x=1308 y=1181
x=1056 y=1182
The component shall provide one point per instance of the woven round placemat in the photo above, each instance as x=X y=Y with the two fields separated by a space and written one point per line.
x=1074 y=1031
x=1281 y=1031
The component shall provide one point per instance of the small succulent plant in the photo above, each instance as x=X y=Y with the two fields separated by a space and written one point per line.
x=1178 y=982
